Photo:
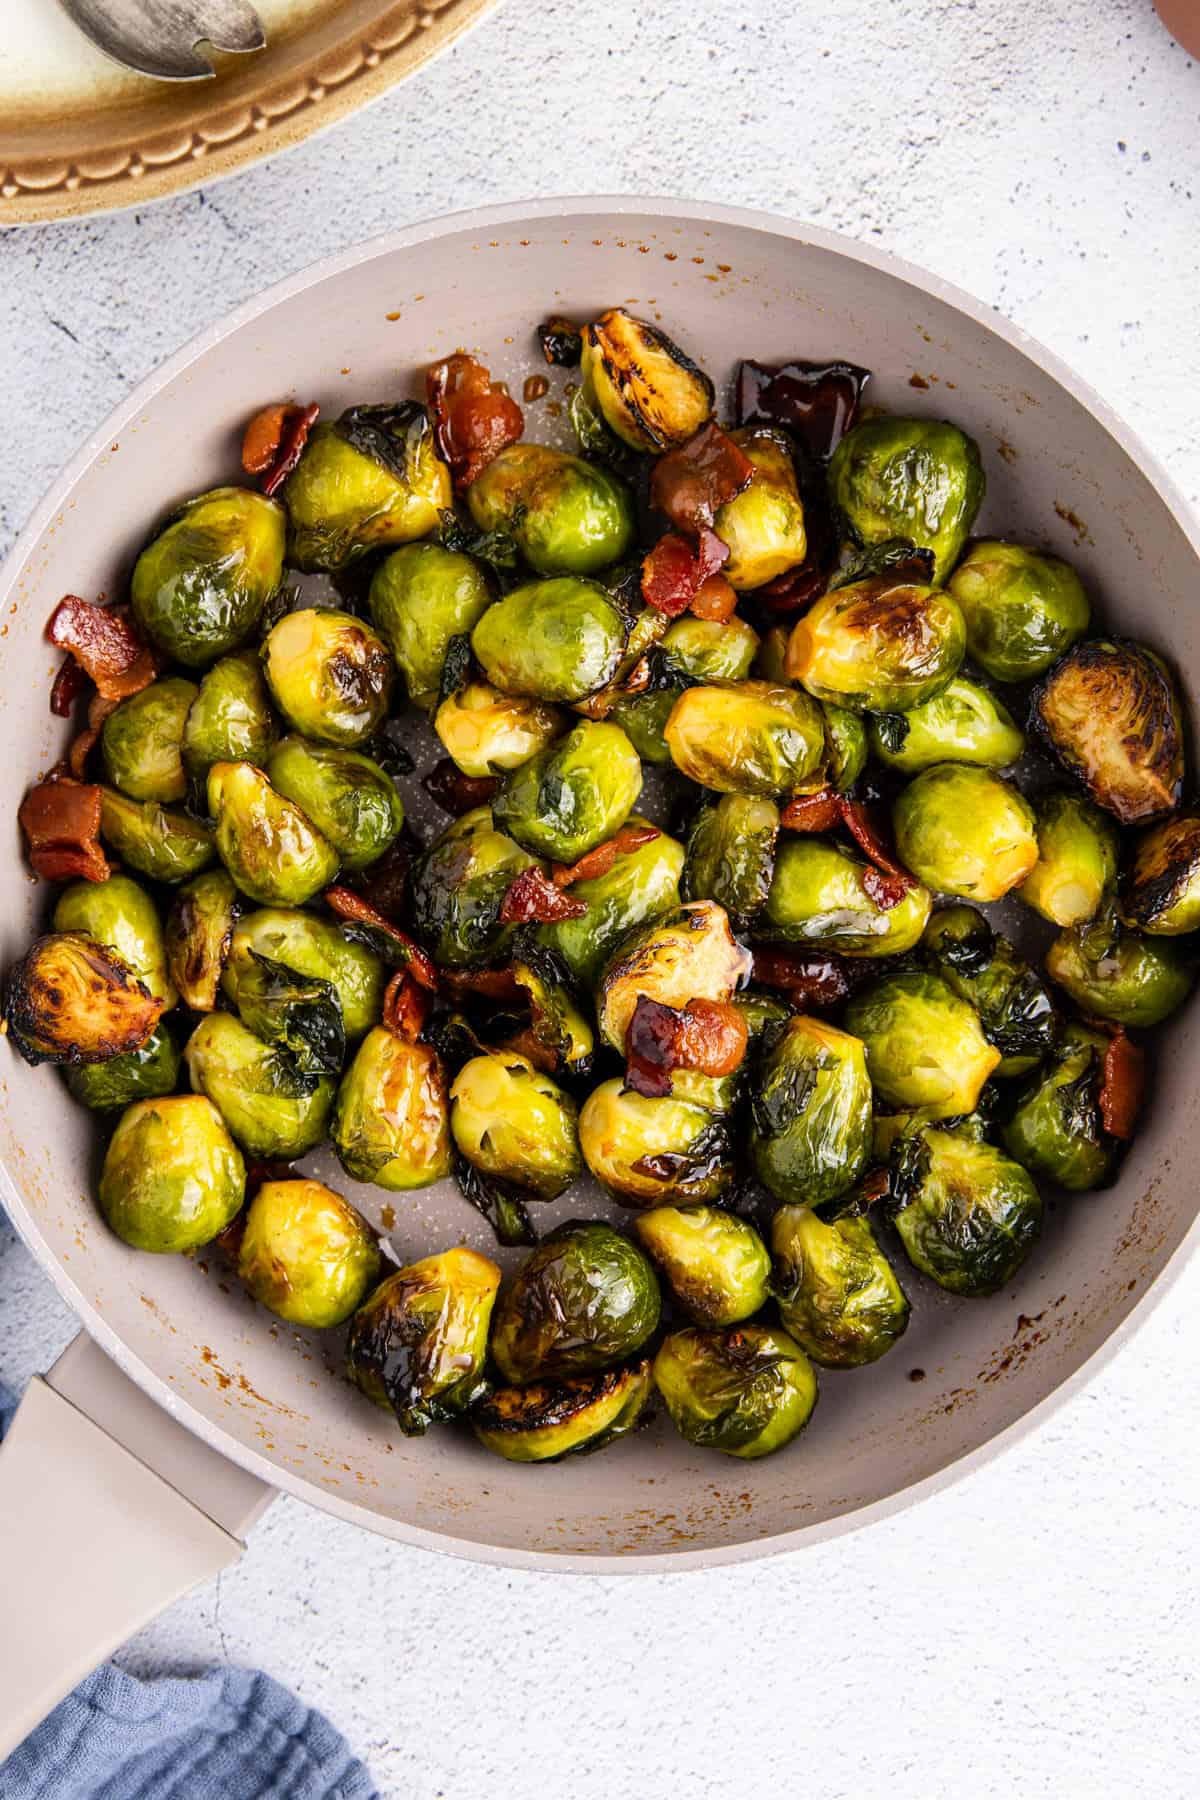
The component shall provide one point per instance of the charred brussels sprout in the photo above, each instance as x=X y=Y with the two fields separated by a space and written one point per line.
x=925 y=1046
x=1057 y=1129
x=969 y=1215
x=1013 y=1003
x=837 y=1292
x=964 y=831
x=141 y=741
x=458 y=887
x=391 y=1123
x=485 y=732
x=274 y=1109
x=566 y=516
x=688 y=954
x=198 y=935
x=199 y=588
x=882 y=645
x=1119 y=975
x=640 y=884
x=746 y=737
x=372 y=478
x=585 y=1299
x=1110 y=712
x=551 y=640
x=513 y=1122
x=121 y=915
x=810 y=1115
x=731 y=854
x=1023 y=609
x=306 y=1254
x=714 y=1263
x=142 y=1074
x=821 y=895
x=1077 y=859
x=919 y=479
x=419 y=1343
x=299 y=1014
x=422 y=596
x=572 y=795
x=157 y=841
x=764 y=524
x=548 y=1420
x=655 y=1151
x=231 y=719
x=286 y=939
x=963 y=724
x=72 y=1000
x=350 y=799
x=330 y=676
x=746 y=1391
x=651 y=394
x=1162 y=890
x=268 y=845
x=173 y=1177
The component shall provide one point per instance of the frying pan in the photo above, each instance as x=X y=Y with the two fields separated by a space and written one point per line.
x=125 y=1481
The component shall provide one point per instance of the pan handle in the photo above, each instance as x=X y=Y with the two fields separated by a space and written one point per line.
x=109 y=1511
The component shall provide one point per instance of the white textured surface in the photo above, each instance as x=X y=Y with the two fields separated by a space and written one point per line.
x=1033 y=1630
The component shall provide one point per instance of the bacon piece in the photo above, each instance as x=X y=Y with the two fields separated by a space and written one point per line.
x=817 y=402
x=273 y=442
x=887 y=881
x=1123 y=1085
x=714 y=599
x=795 y=590
x=812 y=978
x=500 y=985
x=532 y=897
x=709 y=1036
x=599 y=861
x=690 y=484
x=812 y=812
x=104 y=646
x=69 y=683
x=669 y=575
x=61 y=822
x=473 y=418
x=384 y=886
x=357 y=911
x=405 y=1006
x=455 y=792
x=525 y=1043
x=297 y=425
x=83 y=745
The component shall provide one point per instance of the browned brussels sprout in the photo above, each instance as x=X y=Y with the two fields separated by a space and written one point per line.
x=330 y=675
x=714 y=1263
x=746 y=1391
x=458 y=888
x=141 y=741
x=391 y=1124
x=746 y=737
x=968 y=1215
x=418 y=1344
x=486 y=733
x=369 y=479
x=837 y=1292
x=653 y=1152
x=306 y=1254
x=651 y=394
x=882 y=645
x=586 y=1298
x=810 y=1113
x=547 y=1420
x=1014 y=1005
x=764 y=524
x=688 y=954
x=198 y=934
x=919 y=479
x=268 y=845
x=71 y=1000
x=516 y=1124
x=1161 y=893
x=1110 y=711
x=173 y=1178
x=200 y=586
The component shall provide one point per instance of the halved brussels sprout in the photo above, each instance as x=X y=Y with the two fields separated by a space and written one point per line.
x=586 y=1298
x=458 y=887
x=655 y=1151
x=556 y=1019
x=747 y=1390
x=348 y=797
x=925 y=1046
x=419 y=1343
x=274 y=1109
x=173 y=1178
x=919 y=479
x=200 y=586
x=391 y=1123
x=1023 y=608
x=963 y=724
x=746 y=737
x=640 y=884
x=307 y=1254
x=651 y=394
x=548 y=1420
x=157 y=841
x=817 y=896
x=551 y=640
x=764 y=524
x=1013 y=1002
x=964 y=831
x=690 y=650
x=231 y=719
x=141 y=741
x=268 y=845
x=1077 y=859
x=714 y=1263
x=810 y=1113
x=1057 y=1129
x=329 y=674
x=881 y=645
x=1110 y=712
x=513 y=1122
x=572 y=795
x=688 y=954
x=1161 y=893
x=422 y=596
x=486 y=733
x=284 y=938
x=142 y=1074
x=566 y=516
x=969 y=1215
x=731 y=854
x=837 y=1292
x=372 y=478
x=73 y=1000
x=121 y=915
x=1119 y=975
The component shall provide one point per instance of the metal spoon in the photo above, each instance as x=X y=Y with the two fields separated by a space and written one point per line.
x=163 y=37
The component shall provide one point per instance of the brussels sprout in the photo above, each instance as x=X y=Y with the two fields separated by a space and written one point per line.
x=640 y=884
x=1110 y=712
x=551 y=1419
x=837 y=1292
x=419 y=1343
x=274 y=1109
x=173 y=1178
x=121 y=915
x=141 y=1074
x=810 y=1114
x=1077 y=859
x=690 y=650
x=572 y=795
x=157 y=841
x=714 y=1263
x=298 y=1014
x=141 y=740
x=1162 y=890
x=513 y=1122
x=651 y=394
x=586 y=1298
x=818 y=897
x=747 y=1390
x=1121 y=976
x=764 y=524
x=925 y=1046
x=268 y=845
x=330 y=675
x=688 y=954
x=391 y=1123
x=350 y=799
x=655 y=1151
x=566 y=516
x=731 y=854
x=551 y=640
x=1013 y=1003
x=72 y=1000
x=969 y=1215
x=422 y=596
x=964 y=831
x=746 y=737
x=486 y=733
x=458 y=887
x=1023 y=609
x=200 y=586
x=846 y=746
x=1057 y=1129
x=371 y=479
x=230 y=720
x=762 y=1010
x=306 y=1254
x=310 y=947
x=919 y=479
x=881 y=645
x=963 y=724
x=557 y=1023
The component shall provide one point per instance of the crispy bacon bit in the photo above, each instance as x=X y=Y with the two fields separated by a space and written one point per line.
x=294 y=428
x=817 y=402
x=61 y=822
x=794 y=591
x=691 y=483
x=473 y=418
x=69 y=683
x=357 y=911
x=104 y=646
x=532 y=897
x=674 y=574
x=812 y=812
x=714 y=599
x=599 y=861
x=525 y=1043
x=887 y=881
x=83 y=745
x=455 y=792
x=1123 y=1085
x=709 y=1036
x=500 y=985
x=814 y=979
x=405 y=1006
